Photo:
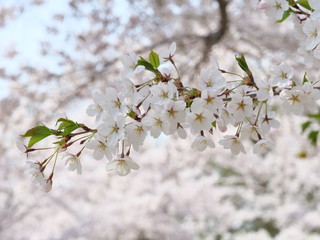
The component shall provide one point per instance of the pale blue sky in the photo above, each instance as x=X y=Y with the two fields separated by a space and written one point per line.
x=25 y=33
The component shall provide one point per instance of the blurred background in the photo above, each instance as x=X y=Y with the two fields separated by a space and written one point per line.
x=54 y=54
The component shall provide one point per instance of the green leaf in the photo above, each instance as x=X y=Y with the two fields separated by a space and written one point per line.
x=154 y=59
x=285 y=15
x=313 y=137
x=315 y=116
x=147 y=65
x=305 y=125
x=243 y=65
x=214 y=124
x=305 y=79
x=37 y=134
x=305 y=4
x=67 y=126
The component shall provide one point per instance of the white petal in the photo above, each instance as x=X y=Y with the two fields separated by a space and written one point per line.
x=111 y=165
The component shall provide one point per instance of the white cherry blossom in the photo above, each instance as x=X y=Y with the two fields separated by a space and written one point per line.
x=174 y=112
x=157 y=123
x=34 y=168
x=163 y=92
x=122 y=165
x=199 y=118
x=101 y=147
x=281 y=74
x=240 y=107
x=201 y=143
x=114 y=103
x=113 y=129
x=96 y=109
x=265 y=91
x=212 y=79
x=311 y=95
x=233 y=143
x=262 y=146
x=251 y=131
x=275 y=8
x=212 y=101
x=72 y=162
x=136 y=132
x=166 y=54
x=312 y=30
x=130 y=64
x=168 y=70
x=293 y=100
x=268 y=121
x=126 y=89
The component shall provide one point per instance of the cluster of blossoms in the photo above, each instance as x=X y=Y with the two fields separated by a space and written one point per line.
x=162 y=104
x=124 y=116
x=306 y=22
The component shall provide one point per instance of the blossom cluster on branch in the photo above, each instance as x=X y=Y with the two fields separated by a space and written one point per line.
x=160 y=102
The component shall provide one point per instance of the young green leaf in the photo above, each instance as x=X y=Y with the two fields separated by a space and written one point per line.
x=305 y=79
x=154 y=59
x=313 y=137
x=147 y=65
x=285 y=15
x=304 y=3
x=305 y=125
x=37 y=134
x=244 y=66
x=67 y=126
x=315 y=116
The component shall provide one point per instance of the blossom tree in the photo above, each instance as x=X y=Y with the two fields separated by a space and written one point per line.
x=163 y=92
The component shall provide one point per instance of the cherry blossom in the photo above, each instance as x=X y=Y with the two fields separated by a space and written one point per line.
x=136 y=132
x=201 y=143
x=113 y=129
x=72 y=162
x=122 y=165
x=34 y=168
x=275 y=8
x=268 y=121
x=163 y=92
x=240 y=107
x=199 y=118
x=211 y=79
x=174 y=111
x=212 y=101
x=312 y=30
x=233 y=143
x=100 y=147
x=99 y=105
x=130 y=64
x=280 y=75
x=167 y=54
x=262 y=146
x=157 y=123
